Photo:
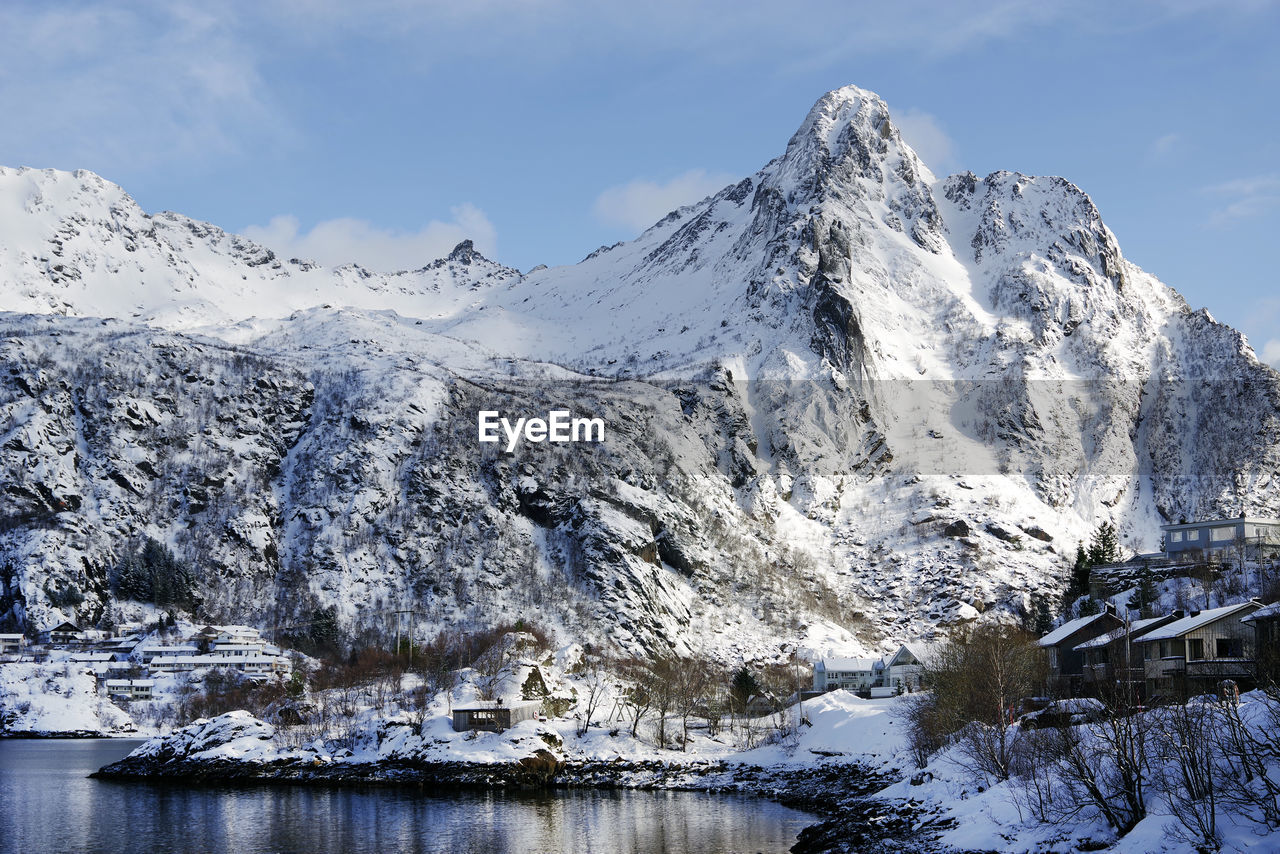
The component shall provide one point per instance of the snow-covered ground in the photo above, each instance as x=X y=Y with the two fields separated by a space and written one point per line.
x=1008 y=815
x=57 y=698
x=843 y=728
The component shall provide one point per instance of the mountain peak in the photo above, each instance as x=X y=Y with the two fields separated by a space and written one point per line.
x=849 y=132
x=465 y=252
x=842 y=111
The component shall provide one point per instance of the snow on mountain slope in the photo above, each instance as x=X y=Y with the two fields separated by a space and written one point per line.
x=72 y=243
x=807 y=378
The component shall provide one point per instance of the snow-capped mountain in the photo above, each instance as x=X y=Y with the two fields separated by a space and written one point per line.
x=808 y=380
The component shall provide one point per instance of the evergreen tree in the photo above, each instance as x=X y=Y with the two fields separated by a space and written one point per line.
x=1041 y=616
x=743 y=687
x=1079 y=574
x=132 y=580
x=1147 y=594
x=324 y=632
x=1105 y=545
x=153 y=573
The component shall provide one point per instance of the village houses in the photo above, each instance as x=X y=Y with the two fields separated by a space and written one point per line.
x=1193 y=654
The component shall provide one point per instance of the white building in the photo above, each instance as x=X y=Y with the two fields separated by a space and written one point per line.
x=850 y=674
x=1223 y=535
x=150 y=652
x=250 y=665
x=237 y=649
x=904 y=670
x=129 y=689
x=898 y=673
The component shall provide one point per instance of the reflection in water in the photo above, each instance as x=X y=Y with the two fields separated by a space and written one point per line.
x=47 y=804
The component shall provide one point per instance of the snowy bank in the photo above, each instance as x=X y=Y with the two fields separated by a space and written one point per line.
x=829 y=766
x=56 y=700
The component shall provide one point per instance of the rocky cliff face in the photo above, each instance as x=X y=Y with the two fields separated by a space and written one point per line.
x=807 y=380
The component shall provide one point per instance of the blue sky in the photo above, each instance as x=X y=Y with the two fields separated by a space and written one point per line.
x=385 y=131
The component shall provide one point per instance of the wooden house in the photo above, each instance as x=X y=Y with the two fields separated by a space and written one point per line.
x=1116 y=660
x=849 y=674
x=1255 y=535
x=904 y=670
x=129 y=689
x=1193 y=654
x=61 y=634
x=1266 y=642
x=1065 y=660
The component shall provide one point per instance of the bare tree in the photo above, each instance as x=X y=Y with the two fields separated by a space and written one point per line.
x=1105 y=765
x=1251 y=756
x=594 y=679
x=978 y=678
x=1189 y=780
x=638 y=700
x=662 y=685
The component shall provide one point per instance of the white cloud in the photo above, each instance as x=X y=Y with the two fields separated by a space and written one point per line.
x=1271 y=353
x=348 y=240
x=640 y=203
x=1245 y=198
x=1165 y=145
x=122 y=86
x=926 y=137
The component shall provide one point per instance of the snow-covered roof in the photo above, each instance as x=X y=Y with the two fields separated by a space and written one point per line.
x=849 y=663
x=916 y=651
x=160 y=649
x=1266 y=612
x=1067 y=629
x=1190 y=623
x=216 y=660
x=1136 y=629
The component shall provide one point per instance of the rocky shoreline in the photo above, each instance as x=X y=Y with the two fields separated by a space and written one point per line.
x=840 y=794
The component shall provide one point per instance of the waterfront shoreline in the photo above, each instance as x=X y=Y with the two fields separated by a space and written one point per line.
x=838 y=794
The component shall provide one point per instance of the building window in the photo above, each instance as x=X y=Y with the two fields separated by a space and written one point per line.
x=1230 y=648
x=1175 y=537
x=1222 y=535
x=1195 y=649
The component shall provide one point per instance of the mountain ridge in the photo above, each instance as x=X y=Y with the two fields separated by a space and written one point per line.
x=808 y=377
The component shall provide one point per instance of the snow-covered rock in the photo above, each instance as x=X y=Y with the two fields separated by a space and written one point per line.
x=235 y=735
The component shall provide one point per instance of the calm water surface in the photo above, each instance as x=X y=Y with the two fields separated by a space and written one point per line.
x=48 y=804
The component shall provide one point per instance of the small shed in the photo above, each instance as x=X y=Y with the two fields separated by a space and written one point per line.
x=494 y=716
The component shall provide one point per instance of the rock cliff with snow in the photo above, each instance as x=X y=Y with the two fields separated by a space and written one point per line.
x=807 y=380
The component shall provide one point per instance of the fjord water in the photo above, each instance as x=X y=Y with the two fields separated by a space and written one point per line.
x=48 y=804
